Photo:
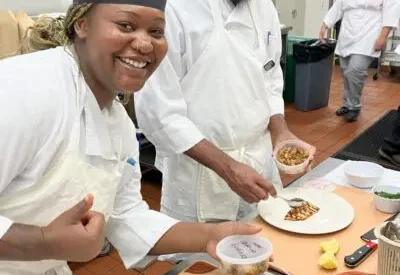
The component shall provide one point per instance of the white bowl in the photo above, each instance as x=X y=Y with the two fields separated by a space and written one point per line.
x=386 y=205
x=294 y=169
x=363 y=174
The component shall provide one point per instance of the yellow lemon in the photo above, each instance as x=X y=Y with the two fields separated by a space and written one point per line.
x=330 y=246
x=328 y=261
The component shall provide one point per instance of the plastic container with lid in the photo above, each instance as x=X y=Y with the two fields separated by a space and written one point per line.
x=244 y=255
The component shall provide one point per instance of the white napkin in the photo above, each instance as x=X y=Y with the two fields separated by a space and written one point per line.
x=337 y=176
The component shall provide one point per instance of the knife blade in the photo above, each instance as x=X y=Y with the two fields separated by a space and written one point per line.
x=361 y=254
x=370 y=235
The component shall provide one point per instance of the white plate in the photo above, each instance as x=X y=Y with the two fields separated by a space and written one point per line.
x=335 y=212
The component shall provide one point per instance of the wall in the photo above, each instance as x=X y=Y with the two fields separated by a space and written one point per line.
x=305 y=16
x=316 y=11
x=34 y=7
x=291 y=13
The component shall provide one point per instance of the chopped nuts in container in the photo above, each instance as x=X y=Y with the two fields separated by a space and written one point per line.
x=292 y=155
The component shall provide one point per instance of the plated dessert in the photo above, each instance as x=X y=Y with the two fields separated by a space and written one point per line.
x=302 y=212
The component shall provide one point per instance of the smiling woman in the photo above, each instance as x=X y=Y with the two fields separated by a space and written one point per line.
x=118 y=45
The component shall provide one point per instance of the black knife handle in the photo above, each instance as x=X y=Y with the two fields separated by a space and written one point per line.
x=360 y=254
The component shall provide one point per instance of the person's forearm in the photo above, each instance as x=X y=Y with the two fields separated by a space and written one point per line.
x=210 y=156
x=322 y=32
x=183 y=237
x=277 y=125
x=385 y=32
x=23 y=243
x=324 y=27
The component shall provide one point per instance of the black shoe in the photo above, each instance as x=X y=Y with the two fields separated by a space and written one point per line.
x=352 y=115
x=392 y=158
x=342 y=111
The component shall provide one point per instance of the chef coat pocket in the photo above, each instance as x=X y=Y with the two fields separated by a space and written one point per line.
x=130 y=172
x=215 y=199
x=273 y=45
x=256 y=154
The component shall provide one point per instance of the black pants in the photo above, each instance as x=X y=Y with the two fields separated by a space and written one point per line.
x=392 y=142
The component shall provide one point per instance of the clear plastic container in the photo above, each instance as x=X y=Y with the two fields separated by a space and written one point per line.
x=244 y=255
x=292 y=169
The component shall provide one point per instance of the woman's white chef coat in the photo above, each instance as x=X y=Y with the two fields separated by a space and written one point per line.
x=362 y=23
x=167 y=108
x=37 y=109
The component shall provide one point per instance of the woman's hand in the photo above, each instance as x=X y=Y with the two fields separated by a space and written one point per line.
x=78 y=234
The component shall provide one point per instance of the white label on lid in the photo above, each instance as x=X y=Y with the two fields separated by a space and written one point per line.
x=244 y=250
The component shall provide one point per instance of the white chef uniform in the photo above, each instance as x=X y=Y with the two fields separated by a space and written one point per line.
x=57 y=146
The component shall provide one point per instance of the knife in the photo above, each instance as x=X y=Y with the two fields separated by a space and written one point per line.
x=361 y=254
x=370 y=235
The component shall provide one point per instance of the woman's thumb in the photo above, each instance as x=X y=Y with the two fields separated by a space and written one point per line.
x=80 y=209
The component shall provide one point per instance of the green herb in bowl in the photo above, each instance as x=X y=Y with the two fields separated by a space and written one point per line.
x=387 y=195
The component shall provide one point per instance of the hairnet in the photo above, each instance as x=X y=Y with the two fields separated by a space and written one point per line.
x=157 y=4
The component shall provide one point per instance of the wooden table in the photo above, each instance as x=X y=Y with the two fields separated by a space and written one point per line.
x=299 y=254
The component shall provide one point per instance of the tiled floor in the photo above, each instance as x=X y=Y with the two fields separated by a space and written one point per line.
x=321 y=128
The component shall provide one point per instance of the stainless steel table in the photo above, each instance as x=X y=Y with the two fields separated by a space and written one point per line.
x=319 y=171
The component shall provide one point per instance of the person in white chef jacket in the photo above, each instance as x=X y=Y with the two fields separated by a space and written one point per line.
x=69 y=171
x=365 y=27
x=212 y=107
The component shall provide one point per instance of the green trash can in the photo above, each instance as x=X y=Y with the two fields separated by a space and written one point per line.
x=290 y=68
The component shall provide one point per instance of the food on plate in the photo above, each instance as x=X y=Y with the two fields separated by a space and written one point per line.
x=386 y=195
x=330 y=246
x=301 y=213
x=291 y=155
x=328 y=261
x=253 y=269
